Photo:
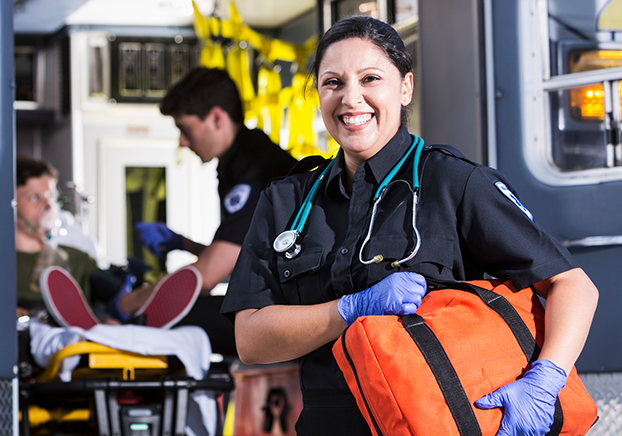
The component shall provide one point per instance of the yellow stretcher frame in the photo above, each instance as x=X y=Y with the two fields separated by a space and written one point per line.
x=110 y=370
x=104 y=357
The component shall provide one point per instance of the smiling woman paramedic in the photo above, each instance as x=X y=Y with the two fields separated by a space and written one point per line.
x=293 y=304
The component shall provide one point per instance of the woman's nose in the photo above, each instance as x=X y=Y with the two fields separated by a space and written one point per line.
x=352 y=95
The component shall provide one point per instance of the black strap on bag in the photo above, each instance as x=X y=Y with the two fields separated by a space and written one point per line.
x=443 y=370
x=445 y=374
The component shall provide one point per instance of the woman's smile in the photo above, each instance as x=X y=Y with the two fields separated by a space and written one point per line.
x=356 y=120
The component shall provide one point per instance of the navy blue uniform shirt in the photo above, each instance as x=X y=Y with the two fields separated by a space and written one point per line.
x=469 y=219
x=243 y=172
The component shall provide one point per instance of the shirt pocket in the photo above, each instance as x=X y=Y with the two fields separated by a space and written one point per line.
x=299 y=277
x=435 y=257
x=391 y=248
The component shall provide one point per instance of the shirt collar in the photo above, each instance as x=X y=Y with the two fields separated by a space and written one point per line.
x=335 y=172
x=236 y=146
x=335 y=175
x=382 y=162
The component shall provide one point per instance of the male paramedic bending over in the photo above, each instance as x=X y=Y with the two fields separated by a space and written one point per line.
x=208 y=112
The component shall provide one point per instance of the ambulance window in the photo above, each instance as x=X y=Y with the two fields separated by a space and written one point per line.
x=406 y=10
x=348 y=8
x=145 y=189
x=393 y=11
x=97 y=64
x=155 y=70
x=130 y=69
x=583 y=98
x=25 y=73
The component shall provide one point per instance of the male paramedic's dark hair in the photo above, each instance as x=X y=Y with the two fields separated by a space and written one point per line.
x=369 y=29
x=27 y=167
x=199 y=91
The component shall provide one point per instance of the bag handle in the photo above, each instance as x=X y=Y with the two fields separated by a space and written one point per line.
x=443 y=370
x=504 y=309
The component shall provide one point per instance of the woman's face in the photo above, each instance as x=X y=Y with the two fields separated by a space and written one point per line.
x=36 y=200
x=361 y=96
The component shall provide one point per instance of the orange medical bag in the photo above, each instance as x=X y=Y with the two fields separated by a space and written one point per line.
x=421 y=374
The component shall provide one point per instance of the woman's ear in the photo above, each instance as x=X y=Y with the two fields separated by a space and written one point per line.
x=407 y=88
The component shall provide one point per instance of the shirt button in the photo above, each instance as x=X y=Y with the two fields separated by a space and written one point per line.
x=286 y=273
x=344 y=250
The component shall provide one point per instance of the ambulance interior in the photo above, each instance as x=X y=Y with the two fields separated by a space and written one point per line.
x=89 y=75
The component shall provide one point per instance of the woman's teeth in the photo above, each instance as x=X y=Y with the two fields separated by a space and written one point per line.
x=356 y=120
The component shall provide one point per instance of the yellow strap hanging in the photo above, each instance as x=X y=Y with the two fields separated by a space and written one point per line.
x=237 y=59
x=273 y=88
x=201 y=25
x=267 y=107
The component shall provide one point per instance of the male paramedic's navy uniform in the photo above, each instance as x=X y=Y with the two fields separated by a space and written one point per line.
x=243 y=172
x=468 y=226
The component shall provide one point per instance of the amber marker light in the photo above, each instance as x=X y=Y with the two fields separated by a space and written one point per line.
x=587 y=103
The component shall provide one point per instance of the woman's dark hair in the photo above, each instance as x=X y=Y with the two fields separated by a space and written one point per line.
x=199 y=91
x=27 y=167
x=369 y=29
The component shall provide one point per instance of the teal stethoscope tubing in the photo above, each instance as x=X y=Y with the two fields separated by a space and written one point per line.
x=286 y=241
x=307 y=204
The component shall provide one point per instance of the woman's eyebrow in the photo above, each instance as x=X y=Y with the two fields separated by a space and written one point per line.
x=362 y=70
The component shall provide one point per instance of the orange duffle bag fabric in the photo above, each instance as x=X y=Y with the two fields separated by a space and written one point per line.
x=421 y=374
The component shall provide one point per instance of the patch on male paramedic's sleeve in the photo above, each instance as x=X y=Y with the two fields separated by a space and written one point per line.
x=237 y=197
x=509 y=194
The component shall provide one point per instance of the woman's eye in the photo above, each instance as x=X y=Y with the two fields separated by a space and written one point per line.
x=368 y=79
x=331 y=82
x=34 y=198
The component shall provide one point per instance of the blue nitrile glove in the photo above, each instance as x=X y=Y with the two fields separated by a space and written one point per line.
x=126 y=288
x=529 y=402
x=158 y=238
x=398 y=294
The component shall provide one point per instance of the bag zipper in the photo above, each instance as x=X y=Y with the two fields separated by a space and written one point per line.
x=345 y=352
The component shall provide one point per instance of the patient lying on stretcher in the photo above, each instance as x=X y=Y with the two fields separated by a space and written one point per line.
x=41 y=345
x=68 y=288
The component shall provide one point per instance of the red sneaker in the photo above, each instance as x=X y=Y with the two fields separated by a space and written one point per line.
x=172 y=298
x=65 y=300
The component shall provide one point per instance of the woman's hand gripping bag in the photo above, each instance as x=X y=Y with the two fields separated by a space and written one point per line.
x=421 y=374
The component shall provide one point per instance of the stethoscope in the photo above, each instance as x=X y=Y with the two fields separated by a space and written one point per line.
x=286 y=241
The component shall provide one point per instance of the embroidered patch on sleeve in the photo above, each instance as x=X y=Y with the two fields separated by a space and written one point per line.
x=237 y=197
x=509 y=194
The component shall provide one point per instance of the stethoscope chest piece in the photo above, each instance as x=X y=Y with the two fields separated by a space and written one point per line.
x=286 y=243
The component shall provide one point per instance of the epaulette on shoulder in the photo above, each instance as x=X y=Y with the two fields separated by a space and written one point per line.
x=307 y=164
x=449 y=151
x=445 y=149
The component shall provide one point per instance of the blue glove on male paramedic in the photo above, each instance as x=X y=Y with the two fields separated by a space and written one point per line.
x=158 y=238
x=529 y=402
x=126 y=288
x=398 y=294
